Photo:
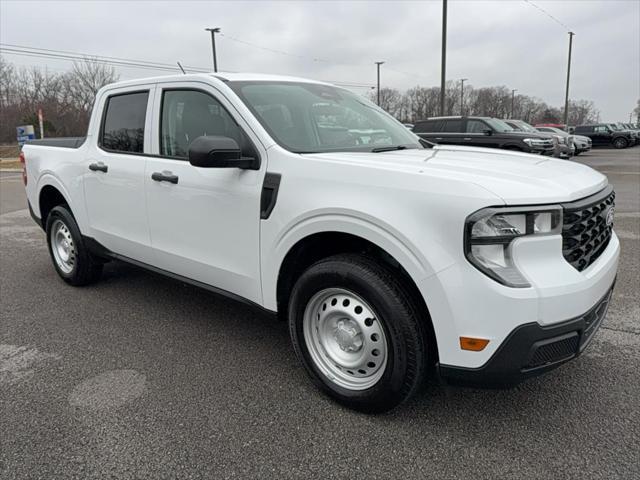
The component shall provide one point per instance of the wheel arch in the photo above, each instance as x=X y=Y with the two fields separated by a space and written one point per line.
x=315 y=246
x=50 y=196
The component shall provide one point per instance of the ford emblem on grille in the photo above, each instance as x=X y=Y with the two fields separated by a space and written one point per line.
x=609 y=217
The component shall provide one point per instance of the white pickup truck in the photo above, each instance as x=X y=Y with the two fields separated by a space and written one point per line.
x=390 y=258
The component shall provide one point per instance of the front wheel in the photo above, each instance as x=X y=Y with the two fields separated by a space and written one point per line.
x=620 y=143
x=357 y=332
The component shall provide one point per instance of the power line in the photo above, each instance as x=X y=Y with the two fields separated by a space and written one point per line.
x=547 y=14
x=313 y=59
x=102 y=58
x=65 y=55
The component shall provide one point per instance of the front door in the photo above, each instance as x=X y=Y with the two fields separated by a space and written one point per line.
x=115 y=174
x=204 y=222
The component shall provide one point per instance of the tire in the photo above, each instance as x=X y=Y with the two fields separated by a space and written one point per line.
x=577 y=152
x=620 y=143
x=382 y=341
x=71 y=259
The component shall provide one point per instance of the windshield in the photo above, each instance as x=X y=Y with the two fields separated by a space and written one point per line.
x=314 y=118
x=524 y=126
x=499 y=125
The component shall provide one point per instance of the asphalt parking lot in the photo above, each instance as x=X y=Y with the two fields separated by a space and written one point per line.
x=140 y=376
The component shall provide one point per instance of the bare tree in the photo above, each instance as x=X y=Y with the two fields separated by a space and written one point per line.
x=65 y=99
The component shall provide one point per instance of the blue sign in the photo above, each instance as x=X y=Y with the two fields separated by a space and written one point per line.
x=25 y=133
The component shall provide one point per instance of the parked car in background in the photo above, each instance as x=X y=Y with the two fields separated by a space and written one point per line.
x=619 y=127
x=633 y=128
x=564 y=137
x=581 y=143
x=561 y=126
x=563 y=144
x=482 y=132
x=387 y=259
x=602 y=135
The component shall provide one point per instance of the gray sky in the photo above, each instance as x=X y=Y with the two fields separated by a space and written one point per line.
x=507 y=42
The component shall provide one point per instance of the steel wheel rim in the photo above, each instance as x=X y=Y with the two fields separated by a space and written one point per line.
x=345 y=339
x=62 y=246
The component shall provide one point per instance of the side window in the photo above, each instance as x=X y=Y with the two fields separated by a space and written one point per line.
x=601 y=129
x=123 y=124
x=476 y=126
x=428 y=126
x=189 y=114
x=453 y=126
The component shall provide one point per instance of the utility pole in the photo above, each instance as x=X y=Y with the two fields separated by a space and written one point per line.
x=462 y=96
x=213 y=45
x=566 y=95
x=444 y=55
x=513 y=97
x=378 y=66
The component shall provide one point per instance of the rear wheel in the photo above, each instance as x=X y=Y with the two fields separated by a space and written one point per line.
x=357 y=333
x=71 y=259
x=620 y=143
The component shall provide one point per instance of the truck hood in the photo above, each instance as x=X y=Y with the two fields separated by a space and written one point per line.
x=517 y=178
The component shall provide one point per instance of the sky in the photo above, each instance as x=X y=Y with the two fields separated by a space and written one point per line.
x=500 y=42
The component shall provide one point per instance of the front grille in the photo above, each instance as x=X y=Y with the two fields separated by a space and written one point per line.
x=585 y=232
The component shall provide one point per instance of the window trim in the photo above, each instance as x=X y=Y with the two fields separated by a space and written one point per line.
x=200 y=90
x=105 y=107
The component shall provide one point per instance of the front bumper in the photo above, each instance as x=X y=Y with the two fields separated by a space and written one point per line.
x=531 y=350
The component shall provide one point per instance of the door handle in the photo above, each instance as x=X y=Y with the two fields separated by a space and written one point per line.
x=467 y=138
x=438 y=138
x=98 y=167
x=164 y=177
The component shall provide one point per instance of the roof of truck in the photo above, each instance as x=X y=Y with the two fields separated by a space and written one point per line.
x=223 y=76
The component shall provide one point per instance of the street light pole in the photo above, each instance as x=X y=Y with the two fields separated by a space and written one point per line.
x=513 y=97
x=213 y=45
x=462 y=96
x=378 y=67
x=566 y=95
x=443 y=67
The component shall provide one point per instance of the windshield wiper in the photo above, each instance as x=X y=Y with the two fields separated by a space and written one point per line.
x=388 y=149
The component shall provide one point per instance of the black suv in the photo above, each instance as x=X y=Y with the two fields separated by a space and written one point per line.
x=603 y=134
x=482 y=132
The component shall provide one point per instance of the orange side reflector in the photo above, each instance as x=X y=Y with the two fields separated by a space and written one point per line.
x=473 y=344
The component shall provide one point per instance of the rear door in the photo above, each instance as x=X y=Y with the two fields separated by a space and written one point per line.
x=452 y=132
x=114 y=175
x=206 y=225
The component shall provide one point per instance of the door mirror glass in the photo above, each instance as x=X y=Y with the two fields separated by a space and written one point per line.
x=219 y=152
x=487 y=131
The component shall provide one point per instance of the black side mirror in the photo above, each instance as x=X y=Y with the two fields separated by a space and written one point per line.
x=219 y=152
x=487 y=131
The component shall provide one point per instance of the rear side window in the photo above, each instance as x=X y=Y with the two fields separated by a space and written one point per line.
x=123 y=124
x=453 y=126
x=428 y=126
x=583 y=129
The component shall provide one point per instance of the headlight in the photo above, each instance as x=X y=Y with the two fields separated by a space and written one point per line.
x=533 y=141
x=561 y=140
x=489 y=234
